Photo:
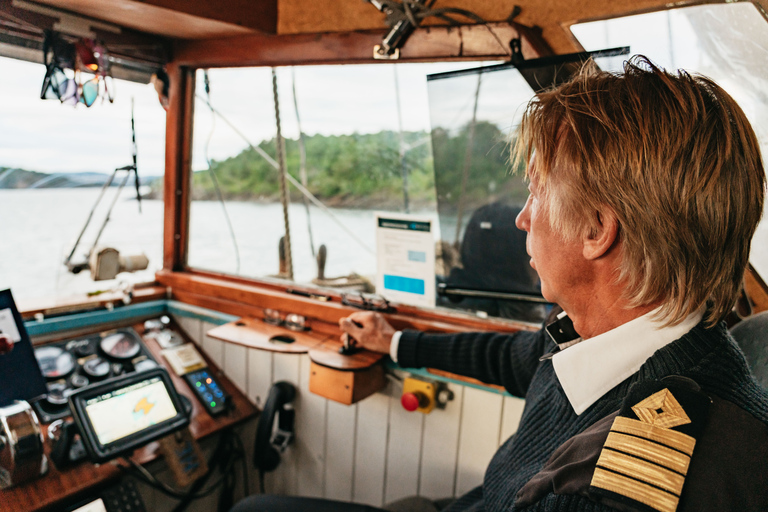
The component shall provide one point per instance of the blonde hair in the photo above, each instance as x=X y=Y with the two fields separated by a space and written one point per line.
x=673 y=156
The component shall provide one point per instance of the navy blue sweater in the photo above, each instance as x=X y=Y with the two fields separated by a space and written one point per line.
x=708 y=356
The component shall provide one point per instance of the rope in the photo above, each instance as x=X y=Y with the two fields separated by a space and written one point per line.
x=302 y=160
x=403 y=164
x=467 y=163
x=283 y=182
x=215 y=179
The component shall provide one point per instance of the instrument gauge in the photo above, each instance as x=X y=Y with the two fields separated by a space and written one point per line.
x=96 y=368
x=58 y=392
x=54 y=362
x=120 y=345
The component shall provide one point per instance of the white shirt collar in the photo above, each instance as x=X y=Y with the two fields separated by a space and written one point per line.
x=590 y=368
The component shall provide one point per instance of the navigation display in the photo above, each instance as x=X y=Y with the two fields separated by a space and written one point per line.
x=124 y=413
x=128 y=410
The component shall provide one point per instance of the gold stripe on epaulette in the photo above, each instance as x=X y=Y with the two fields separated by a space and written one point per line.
x=677 y=440
x=654 y=452
x=640 y=469
x=638 y=491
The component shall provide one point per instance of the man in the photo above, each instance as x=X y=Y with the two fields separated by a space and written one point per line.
x=645 y=190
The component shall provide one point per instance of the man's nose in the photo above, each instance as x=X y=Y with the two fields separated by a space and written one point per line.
x=523 y=219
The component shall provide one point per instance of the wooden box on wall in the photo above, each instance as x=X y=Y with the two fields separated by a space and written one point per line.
x=345 y=386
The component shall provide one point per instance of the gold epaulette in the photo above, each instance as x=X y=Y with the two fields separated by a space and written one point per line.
x=645 y=458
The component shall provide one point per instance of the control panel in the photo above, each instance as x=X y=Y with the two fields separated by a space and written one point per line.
x=207 y=390
x=75 y=363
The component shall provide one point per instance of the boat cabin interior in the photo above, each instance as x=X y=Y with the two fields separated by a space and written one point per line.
x=194 y=193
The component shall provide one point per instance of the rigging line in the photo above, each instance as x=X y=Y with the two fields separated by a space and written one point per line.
x=214 y=178
x=293 y=181
x=302 y=159
x=280 y=143
x=7 y=173
x=403 y=164
x=467 y=162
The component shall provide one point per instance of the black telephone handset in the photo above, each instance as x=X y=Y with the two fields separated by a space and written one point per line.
x=271 y=442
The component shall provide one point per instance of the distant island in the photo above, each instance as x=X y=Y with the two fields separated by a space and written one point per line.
x=16 y=178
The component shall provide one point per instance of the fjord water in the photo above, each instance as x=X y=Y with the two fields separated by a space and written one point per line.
x=39 y=228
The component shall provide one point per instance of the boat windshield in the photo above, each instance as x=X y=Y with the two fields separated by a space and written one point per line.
x=357 y=142
x=726 y=42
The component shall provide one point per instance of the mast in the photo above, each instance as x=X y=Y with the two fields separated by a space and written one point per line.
x=283 y=181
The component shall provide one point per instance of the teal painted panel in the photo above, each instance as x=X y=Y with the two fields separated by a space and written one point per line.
x=206 y=315
x=94 y=318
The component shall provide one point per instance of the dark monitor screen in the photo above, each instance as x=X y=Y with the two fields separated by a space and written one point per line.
x=22 y=378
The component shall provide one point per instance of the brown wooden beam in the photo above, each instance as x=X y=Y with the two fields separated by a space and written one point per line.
x=259 y=15
x=250 y=299
x=178 y=155
x=78 y=303
x=127 y=45
x=470 y=42
x=146 y=17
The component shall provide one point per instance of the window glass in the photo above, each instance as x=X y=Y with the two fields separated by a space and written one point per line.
x=364 y=146
x=726 y=42
x=53 y=160
x=475 y=115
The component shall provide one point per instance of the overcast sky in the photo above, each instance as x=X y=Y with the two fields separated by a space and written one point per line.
x=45 y=135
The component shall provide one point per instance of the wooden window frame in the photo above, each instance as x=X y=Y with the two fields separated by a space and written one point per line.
x=249 y=296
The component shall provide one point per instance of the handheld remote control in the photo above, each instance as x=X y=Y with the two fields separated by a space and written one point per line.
x=208 y=391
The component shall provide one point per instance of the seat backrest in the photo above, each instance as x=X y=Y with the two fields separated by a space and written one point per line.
x=752 y=336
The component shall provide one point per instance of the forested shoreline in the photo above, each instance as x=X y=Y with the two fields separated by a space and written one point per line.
x=351 y=170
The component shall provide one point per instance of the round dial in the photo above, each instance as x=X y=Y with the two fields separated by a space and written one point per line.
x=96 y=367
x=58 y=392
x=81 y=348
x=120 y=346
x=54 y=362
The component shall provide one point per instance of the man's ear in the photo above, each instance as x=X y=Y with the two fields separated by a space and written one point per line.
x=599 y=240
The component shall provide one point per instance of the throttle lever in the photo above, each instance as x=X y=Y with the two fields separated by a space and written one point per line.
x=350 y=344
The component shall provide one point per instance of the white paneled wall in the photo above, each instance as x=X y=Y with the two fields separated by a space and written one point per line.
x=372 y=452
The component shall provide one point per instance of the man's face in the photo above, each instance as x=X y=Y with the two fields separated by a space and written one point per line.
x=557 y=261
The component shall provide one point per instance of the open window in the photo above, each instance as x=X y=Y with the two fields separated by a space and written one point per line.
x=54 y=159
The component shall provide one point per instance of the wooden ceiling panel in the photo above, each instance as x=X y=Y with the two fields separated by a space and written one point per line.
x=169 y=18
x=552 y=16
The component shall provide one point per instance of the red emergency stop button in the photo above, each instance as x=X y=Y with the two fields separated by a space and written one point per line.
x=412 y=401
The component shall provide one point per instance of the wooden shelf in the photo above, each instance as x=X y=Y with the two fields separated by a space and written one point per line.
x=254 y=333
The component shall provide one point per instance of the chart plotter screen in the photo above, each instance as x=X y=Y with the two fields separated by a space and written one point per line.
x=128 y=410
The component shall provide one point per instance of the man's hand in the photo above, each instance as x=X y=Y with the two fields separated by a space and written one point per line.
x=369 y=329
x=6 y=344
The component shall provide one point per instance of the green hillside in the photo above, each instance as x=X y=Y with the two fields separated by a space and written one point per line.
x=353 y=170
